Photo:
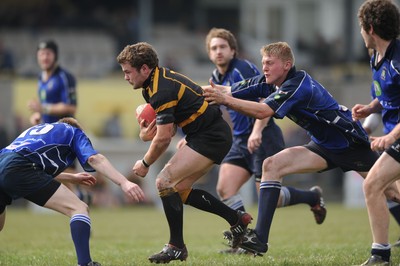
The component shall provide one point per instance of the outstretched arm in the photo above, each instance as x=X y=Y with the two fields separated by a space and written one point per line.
x=249 y=108
x=77 y=178
x=101 y=164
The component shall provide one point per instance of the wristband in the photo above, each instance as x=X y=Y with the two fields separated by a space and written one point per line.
x=145 y=163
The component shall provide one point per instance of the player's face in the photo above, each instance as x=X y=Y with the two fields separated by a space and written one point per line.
x=274 y=69
x=135 y=77
x=46 y=59
x=220 y=52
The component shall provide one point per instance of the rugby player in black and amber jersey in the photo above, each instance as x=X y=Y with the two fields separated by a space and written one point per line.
x=178 y=100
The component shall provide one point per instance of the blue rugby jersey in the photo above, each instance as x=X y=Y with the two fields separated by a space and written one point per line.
x=310 y=105
x=386 y=85
x=60 y=87
x=53 y=147
x=238 y=70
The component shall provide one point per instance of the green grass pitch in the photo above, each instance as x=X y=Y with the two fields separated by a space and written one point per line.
x=127 y=236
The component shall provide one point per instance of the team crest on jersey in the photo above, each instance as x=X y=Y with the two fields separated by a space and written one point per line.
x=383 y=73
x=377 y=88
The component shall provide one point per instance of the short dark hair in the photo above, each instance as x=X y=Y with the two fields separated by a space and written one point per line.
x=49 y=44
x=383 y=16
x=139 y=54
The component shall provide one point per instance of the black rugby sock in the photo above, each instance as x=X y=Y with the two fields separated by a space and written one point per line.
x=173 y=209
x=204 y=201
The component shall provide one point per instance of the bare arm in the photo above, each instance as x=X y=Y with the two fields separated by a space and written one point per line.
x=56 y=109
x=224 y=89
x=77 y=178
x=158 y=146
x=360 y=111
x=255 y=137
x=249 y=108
x=101 y=164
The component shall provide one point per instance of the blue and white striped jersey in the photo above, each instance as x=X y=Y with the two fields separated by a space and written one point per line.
x=53 y=147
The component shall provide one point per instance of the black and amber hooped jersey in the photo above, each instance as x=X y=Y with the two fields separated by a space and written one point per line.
x=177 y=99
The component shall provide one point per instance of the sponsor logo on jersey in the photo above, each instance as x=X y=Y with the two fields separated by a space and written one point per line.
x=377 y=88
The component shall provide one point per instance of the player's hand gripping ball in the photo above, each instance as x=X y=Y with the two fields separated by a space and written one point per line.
x=145 y=112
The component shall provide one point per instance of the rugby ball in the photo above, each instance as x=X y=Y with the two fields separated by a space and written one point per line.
x=145 y=112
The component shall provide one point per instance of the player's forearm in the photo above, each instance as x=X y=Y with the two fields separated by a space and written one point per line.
x=249 y=108
x=375 y=106
x=395 y=133
x=64 y=177
x=260 y=124
x=157 y=148
x=59 y=109
x=102 y=165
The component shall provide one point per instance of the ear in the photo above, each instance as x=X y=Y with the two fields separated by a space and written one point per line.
x=287 y=66
x=145 y=68
x=371 y=30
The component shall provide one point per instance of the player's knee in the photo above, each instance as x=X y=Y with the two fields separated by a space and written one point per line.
x=163 y=181
x=371 y=189
x=81 y=208
x=270 y=165
x=220 y=190
x=367 y=188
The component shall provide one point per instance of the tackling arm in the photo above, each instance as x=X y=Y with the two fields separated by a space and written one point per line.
x=249 y=108
x=101 y=164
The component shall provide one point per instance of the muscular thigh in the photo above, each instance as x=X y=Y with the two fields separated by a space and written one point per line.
x=231 y=178
x=184 y=168
x=293 y=160
x=385 y=171
x=66 y=202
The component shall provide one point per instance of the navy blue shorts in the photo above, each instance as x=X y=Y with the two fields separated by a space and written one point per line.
x=239 y=155
x=20 y=178
x=360 y=158
x=272 y=143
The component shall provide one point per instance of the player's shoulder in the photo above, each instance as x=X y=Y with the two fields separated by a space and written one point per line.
x=243 y=64
x=64 y=73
